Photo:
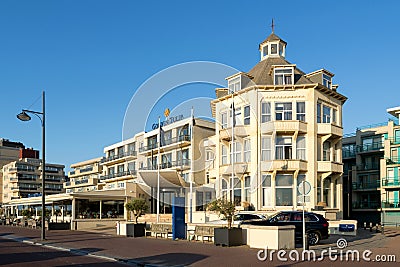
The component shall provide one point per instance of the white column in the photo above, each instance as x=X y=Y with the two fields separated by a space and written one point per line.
x=101 y=208
x=73 y=209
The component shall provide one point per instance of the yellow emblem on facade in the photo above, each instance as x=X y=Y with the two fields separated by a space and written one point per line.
x=166 y=112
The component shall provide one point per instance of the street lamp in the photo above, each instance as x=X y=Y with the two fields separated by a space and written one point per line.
x=23 y=116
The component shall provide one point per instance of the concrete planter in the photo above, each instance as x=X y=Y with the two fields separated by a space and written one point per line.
x=271 y=237
x=131 y=229
x=59 y=226
x=228 y=237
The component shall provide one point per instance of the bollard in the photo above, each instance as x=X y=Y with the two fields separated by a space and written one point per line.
x=365 y=225
x=370 y=226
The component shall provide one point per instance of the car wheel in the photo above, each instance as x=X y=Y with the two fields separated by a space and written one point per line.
x=313 y=238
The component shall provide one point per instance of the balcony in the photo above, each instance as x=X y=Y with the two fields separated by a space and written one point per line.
x=330 y=129
x=180 y=164
x=391 y=204
x=366 y=186
x=329 y=166
x=118 y=175
x=370 y=147
x=170 y=143
x=392 y=161
x=366 y=205
x=284 y=127
x=348 y=154
x=116 y=159
x=394 y=140
x=368 y=167
x=391 y=182
x=284 y=165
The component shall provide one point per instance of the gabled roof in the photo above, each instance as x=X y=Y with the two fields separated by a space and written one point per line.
x=262 y=76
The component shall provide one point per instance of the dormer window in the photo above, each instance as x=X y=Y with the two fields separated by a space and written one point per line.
x=283 y=76
x=234 y=85
x=327 y=81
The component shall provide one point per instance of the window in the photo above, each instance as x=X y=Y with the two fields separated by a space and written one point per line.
x=238 y=117
x=326 y=114
x=247 y=150
x=284 y=190
x=334 y=115
x=327 y=81
x=182 y=157
x=326 y=151
x=283 y=76
x=224 y=120
x=111 y=170
x=274 y=49
x=319 y=113
x=301 y=147
x=265 y=50
x=121 y=168
x=224 y=188
x=237 y=152
x=234 y=85
x=283 y=147
x=265 y=112
x=237 y=191
x=209 y=158
x=166 y=137
x=266 y=148
x=121 y=185
x=224 y=155
x=121 y=151
x=132 y=166
x=266 y=190
x=166 y=160
x=247 y=186
x=131 y=148
x=301 y=111
x=246 y=115
x=199 y=201
x=283 y=111
x=111 y=153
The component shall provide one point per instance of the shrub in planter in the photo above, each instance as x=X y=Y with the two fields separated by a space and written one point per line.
x=139 y=207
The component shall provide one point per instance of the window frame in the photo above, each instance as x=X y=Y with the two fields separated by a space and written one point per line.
x=284 y=75
x=266 y=152
x=286 y=114
x=266 y=114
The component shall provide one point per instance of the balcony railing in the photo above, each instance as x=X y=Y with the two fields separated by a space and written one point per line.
x=118 y=174
x=391 y=203
x=366 y=205
x=392 y=161
x=391 y=181
x=166 y=142
x=82 y=181
x=394 y=140
x=118 y=156
x=348 y=154
x=364 y=186
x=370 y=147
x=167 y=165
x=368 y=167
x=87 y=169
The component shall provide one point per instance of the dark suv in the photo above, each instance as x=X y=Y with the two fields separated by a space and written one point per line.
x=316 y=225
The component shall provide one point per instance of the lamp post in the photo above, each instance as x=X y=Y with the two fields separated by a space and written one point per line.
x=23 y=116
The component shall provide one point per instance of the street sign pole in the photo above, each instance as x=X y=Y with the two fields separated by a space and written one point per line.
x=304 y=221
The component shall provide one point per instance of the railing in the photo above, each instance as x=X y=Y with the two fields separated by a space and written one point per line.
x=349 y=135
x=118 y=156
x=166 y=142
x=368 y=167
x=372 y=126
x=170 y=164
x=87 y=169
x=370 y=147
x=391 y=203
x=72 y=173
x=366 y=205
x=368 y=185
x=348 y=154
x=67 y=183
x=392 y=161
x=82 y=181
x=57 y=180
x=118 y=174
x=394 y=140
x=391 y=181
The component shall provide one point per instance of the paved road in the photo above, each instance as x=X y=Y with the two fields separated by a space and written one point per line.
x=162 y=252
x=14 y=253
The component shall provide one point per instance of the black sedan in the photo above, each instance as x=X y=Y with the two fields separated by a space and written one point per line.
x=316 y=225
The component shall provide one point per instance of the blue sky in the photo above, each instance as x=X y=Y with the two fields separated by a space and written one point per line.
x=91 y=56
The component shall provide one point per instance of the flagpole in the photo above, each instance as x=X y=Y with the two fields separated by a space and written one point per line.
x=232 y=149
x=158 y=170
x=191 y=168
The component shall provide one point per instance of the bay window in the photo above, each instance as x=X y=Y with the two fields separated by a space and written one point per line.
x=283 y=147
x=284 y=190
x=283 y=111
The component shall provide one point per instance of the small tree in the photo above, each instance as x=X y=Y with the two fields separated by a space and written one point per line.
x=223 y=207
x=138 y=206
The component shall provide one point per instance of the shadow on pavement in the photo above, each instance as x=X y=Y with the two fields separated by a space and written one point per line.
x=171 y=259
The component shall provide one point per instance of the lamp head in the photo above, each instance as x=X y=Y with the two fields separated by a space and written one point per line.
x=23 y=116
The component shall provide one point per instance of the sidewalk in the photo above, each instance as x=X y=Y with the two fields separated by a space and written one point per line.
x=163 y=252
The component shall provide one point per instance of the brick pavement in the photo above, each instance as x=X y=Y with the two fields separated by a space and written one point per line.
x=162 y=252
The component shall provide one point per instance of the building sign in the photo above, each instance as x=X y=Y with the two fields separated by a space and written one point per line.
x=168 y=121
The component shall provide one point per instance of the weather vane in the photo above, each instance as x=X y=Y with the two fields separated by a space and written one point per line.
x=273 y=26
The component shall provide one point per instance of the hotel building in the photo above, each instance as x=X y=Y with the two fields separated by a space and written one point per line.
x=285 y=128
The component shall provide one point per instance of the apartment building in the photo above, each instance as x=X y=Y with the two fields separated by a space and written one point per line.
x=9 y=151
x=22 y=178
x=362 y=152
x=84 y=176
x=277 y=126
x=390 y=183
